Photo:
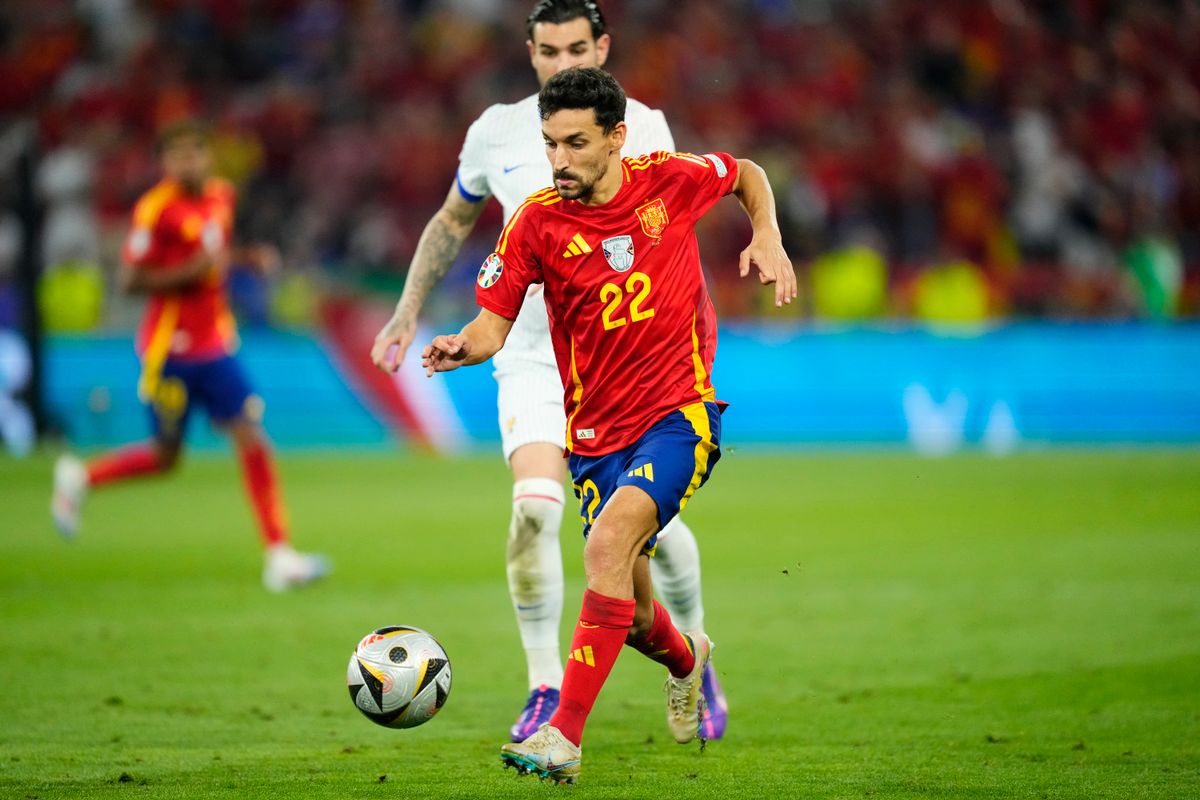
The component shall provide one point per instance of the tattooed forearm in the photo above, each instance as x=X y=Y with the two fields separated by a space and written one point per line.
x=435 y=254
x=438 y=247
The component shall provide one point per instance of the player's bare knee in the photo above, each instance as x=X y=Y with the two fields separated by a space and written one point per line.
x=613 y=546
x=246 y=434
x=253 y=410
x=606 y=554
x=598 y=557
x=168 y=454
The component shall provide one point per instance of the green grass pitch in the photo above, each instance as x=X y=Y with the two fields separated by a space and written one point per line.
x=887 y=627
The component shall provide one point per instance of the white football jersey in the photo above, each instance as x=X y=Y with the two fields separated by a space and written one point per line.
x=504 y=157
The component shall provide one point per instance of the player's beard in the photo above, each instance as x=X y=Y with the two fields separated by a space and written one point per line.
x=584 y=190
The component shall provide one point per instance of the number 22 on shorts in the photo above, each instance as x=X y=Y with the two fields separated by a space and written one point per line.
x=589 y=500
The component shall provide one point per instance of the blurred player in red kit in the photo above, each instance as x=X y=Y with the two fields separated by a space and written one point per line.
x=177 y=254
x=634 y=336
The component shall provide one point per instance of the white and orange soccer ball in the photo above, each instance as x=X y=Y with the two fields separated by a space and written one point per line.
x=399 y=676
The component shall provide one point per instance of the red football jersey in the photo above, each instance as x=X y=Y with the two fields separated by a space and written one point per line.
x=633 y=327
x=169 y=227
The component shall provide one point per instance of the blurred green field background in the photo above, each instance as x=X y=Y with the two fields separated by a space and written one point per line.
x=887 y=627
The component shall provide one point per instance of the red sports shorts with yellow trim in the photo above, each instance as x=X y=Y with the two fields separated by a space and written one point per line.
x=669 y=462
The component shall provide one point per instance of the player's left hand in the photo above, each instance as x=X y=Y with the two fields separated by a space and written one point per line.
x=393 y=340
x=767 y=254
x=446 y=353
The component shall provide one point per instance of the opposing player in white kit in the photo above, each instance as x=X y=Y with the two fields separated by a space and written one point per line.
x=503 y=157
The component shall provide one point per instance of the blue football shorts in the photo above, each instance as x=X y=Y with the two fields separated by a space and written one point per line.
x=218 y=385
x=669 y=462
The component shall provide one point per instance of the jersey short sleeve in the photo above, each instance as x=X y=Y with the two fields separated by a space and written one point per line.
x=714 y=176
x=138 y=250
x=472 y=180
x=141 y=245
x=507 y=273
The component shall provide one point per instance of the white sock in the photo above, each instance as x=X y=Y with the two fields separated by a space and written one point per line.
x=675 y=570
x=535 y=575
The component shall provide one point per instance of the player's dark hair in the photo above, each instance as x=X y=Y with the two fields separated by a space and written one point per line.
x=182 y=128
x=584 y=87
x=556 y=12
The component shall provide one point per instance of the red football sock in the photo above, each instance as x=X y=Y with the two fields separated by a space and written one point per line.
x=665 y=644
x=258 y=473
x=128 y=462
x=603 y=624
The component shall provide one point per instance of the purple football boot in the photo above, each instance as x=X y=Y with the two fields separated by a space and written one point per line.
x=716 y=711
x=541 y=706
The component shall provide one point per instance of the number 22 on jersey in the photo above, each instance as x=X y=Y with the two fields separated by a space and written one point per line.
x=637 y=288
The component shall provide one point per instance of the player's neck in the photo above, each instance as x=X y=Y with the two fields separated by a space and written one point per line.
x=190 y=188
x=609 y=186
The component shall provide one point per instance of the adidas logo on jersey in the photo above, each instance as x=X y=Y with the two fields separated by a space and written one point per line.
x=576 y=247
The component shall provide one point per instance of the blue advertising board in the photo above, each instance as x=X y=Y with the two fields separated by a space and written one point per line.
x=934 y=391
x=1069 y=383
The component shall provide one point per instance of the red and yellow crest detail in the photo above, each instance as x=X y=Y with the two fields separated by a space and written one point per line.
x=653 y=217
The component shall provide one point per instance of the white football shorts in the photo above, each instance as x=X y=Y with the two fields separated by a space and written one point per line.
x=530 y=397
x=530 y=405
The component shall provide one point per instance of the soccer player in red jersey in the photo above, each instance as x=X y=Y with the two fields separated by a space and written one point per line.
x=634 y=335
x=177 y=254
x=501 y=157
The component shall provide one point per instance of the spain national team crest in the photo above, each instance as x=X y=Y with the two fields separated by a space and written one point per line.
x=491 y=270
x=653 y=216
x=618 y=250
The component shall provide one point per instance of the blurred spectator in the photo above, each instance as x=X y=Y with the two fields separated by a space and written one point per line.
x=953 y=292
x=1052 y=146
x=71 y=296
x=1157 y=270
x=10 y=250
x=849 y=284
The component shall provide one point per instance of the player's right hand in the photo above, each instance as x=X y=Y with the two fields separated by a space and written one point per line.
x=446 y=353
x=774 y=267
x=211 y=269
x=392 y=342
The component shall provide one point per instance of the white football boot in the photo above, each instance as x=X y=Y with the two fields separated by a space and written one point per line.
x=685 y=696
x=284 y=568
x=70 y=490
x=547 y=754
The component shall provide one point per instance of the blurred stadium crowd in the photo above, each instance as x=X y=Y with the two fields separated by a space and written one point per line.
x=956 y=160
